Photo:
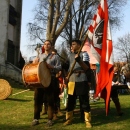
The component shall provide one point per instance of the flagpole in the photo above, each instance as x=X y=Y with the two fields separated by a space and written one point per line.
x=71 y=70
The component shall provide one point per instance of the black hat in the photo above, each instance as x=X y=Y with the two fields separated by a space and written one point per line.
x=77 y=41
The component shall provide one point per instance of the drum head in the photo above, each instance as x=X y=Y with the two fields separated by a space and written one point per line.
x=5 y=89
x=44 y=74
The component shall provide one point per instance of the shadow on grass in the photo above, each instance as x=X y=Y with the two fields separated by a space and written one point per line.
x=13 y=127
x=99 y=117
x=21 y=100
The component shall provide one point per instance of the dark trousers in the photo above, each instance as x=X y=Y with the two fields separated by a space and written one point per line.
x=38 y=102
x=114 y=93
x=83 y=99
x=49 y=96
x=84 y=103
x=115 y=99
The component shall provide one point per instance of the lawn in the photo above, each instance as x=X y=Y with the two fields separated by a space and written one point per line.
x=16 y=113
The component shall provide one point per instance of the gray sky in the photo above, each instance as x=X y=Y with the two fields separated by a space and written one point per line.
x=27 y=15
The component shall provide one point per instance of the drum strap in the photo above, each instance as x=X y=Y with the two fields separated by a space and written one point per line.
x=51 y=56
x=47 y=57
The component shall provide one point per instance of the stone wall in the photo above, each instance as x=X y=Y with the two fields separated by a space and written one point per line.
x=12 y=72
x=4 y=7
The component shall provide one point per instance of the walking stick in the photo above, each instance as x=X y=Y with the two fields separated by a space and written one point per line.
x=71 y=70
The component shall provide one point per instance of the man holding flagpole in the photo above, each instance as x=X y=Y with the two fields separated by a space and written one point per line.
x=78 y=84
x=101 y=47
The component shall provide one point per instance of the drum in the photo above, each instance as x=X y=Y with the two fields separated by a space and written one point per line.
x=36 y=75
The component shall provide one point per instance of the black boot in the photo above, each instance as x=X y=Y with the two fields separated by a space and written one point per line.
x=82 y=115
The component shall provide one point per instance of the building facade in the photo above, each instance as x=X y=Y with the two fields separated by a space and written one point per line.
x=10 y=31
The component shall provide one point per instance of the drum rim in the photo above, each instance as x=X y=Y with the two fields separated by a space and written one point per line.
x=40 y=75
x=38 y=72
x=23 y=74
x=43 y=62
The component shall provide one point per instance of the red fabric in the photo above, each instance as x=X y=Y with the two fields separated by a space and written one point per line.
x=104 y=52
x=60 y=80
x=43 y=49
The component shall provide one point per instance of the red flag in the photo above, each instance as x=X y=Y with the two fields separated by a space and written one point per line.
x=102 y=49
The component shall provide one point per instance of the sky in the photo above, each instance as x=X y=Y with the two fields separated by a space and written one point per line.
x=27 y=16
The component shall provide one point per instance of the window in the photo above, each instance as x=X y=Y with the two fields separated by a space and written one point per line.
x=12 y=15
x=10 y=52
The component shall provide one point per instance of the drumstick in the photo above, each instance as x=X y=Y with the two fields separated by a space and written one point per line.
x=20 y=92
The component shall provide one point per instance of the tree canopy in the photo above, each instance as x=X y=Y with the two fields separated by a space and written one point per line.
x=68 y=18
x=122 y=48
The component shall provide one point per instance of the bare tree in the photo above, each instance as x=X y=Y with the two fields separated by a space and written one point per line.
x=81 y=14
x=116 y=12
x=77 y=27
x=67 y=18
x=122 y=48
x=47 y=21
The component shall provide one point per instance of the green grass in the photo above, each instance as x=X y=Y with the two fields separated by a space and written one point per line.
x=16 y=113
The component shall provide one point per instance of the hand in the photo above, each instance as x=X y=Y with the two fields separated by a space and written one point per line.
x=36 y=60
x=66 y=80
x=117 y=82
x=76 y=55
x=50 y=66
x=77 y=58
x=65 y=86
